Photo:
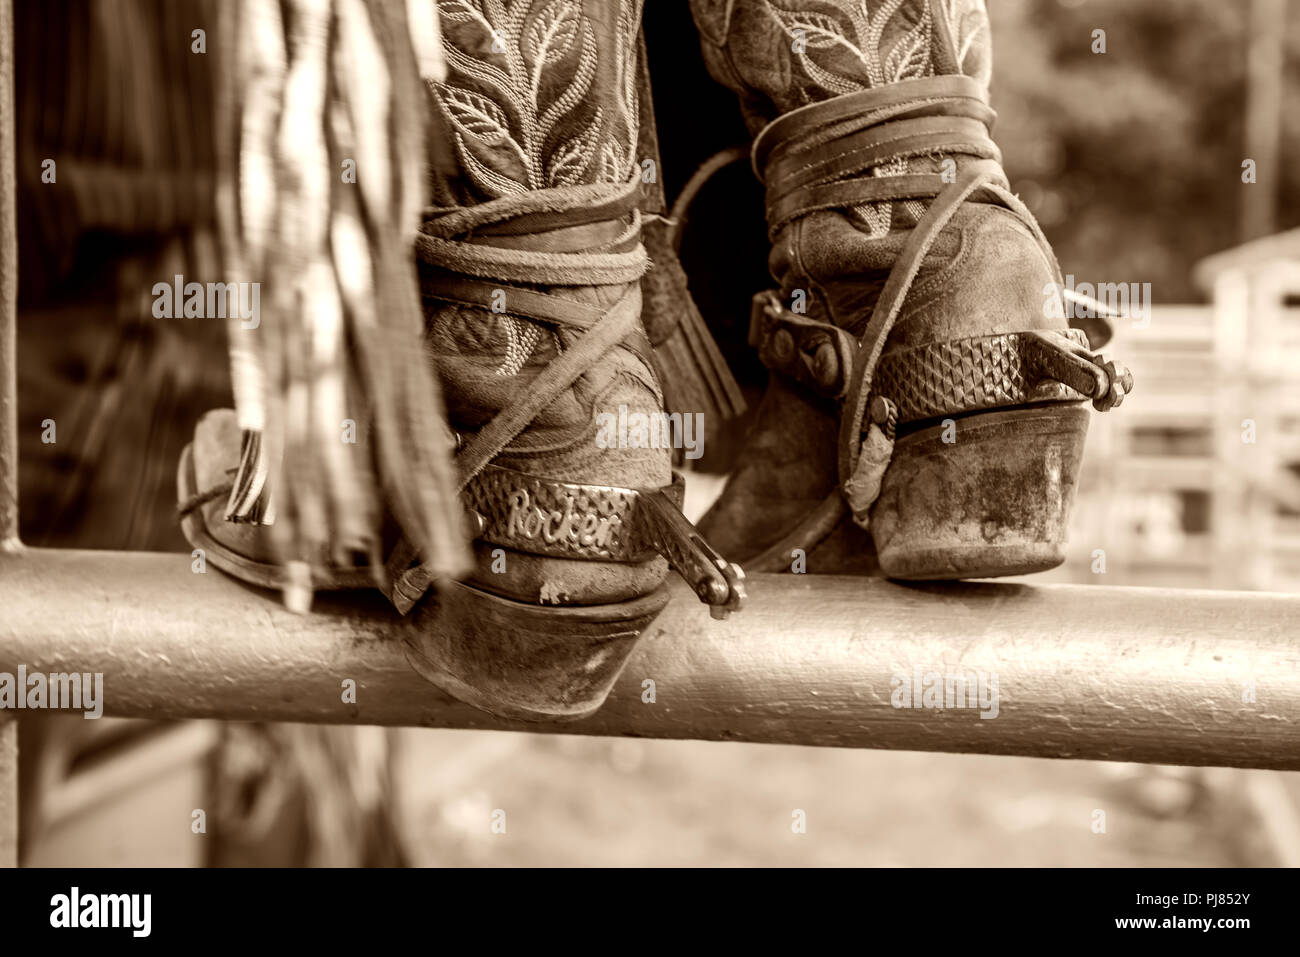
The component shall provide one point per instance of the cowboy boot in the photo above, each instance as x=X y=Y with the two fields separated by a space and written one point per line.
x=924 y=382
x=530 y=264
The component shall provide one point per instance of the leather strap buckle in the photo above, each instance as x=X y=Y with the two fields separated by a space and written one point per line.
x=814 y=353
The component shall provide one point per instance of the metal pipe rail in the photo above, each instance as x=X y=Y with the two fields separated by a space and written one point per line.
x=1128 y=674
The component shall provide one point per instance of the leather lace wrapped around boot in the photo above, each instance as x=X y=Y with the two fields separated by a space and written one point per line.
x=925 y=384
x=531 y=264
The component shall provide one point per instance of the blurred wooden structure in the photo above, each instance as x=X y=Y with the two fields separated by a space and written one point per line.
x=1197 y=484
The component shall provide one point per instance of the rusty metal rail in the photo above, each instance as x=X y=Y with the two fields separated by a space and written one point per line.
x=1152 y=675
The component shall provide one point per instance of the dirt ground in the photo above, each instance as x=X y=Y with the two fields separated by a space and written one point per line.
x=572 y=801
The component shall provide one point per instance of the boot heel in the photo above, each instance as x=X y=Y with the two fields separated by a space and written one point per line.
x=994 y=500
x=517 y=660
x=537 y=662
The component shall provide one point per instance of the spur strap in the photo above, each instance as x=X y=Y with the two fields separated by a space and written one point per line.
x=571 y=520
x=606 y=523
x=940 y=378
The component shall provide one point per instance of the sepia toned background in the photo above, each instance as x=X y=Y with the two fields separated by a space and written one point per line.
x=1131 y=160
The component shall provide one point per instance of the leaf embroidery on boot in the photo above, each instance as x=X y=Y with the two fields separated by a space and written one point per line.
x=528 y=108
x=834 y=47
x=968 y=24
x=845 y=52
x=854 y=48
x=879 y=216
x=522 y=97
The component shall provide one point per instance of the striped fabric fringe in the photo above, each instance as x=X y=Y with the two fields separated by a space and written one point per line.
x=319 y=193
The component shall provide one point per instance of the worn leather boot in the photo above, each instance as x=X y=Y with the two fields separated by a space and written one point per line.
x=925 y=385
x=531 y=265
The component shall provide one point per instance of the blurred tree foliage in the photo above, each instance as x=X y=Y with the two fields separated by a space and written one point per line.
x=1131 y=159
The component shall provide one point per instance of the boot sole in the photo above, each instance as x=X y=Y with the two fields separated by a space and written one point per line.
x=223 y=556
x=993 y=502
x=524 y=661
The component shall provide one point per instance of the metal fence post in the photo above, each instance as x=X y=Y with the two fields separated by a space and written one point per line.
x=8 y=291
x=8 y=407
x=8 y=792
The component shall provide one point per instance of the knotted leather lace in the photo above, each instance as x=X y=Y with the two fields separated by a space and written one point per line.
x=535 y=238
x=550 y=238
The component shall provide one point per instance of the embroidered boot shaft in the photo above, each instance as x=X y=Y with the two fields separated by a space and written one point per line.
x=531 y=269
